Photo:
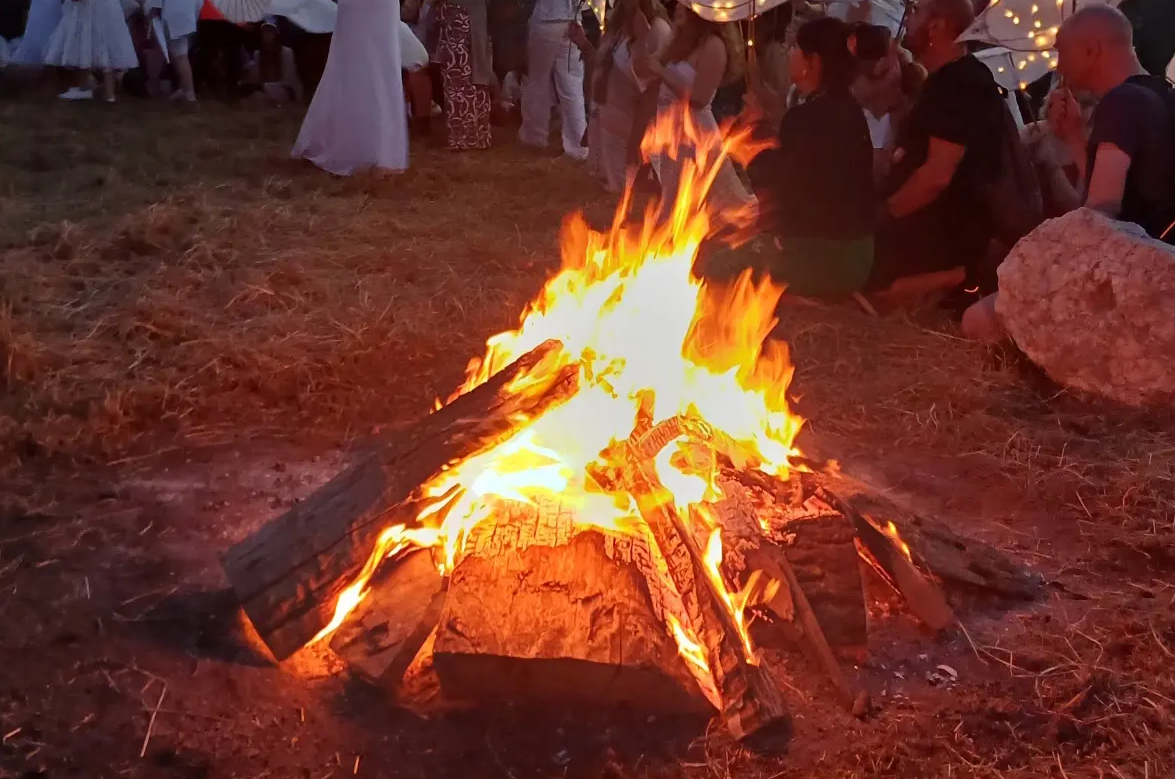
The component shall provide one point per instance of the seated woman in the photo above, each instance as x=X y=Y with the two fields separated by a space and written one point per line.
x=816 y=189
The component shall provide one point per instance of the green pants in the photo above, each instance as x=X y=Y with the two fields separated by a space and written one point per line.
x=822 y=267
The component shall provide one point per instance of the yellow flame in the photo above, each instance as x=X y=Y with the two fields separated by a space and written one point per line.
x=891 y=530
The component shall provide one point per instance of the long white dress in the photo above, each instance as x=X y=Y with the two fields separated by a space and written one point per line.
x=357 y=119
x=92 y=35
x=727 y=191
x=44 y=16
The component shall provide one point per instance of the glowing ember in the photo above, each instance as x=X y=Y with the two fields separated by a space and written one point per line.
x=651 y=339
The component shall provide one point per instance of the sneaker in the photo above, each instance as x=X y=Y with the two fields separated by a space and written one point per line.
x=77 y=93
x=180 y=96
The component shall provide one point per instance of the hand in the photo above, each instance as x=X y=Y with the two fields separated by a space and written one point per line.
x=1064 y=117
x=576 y=34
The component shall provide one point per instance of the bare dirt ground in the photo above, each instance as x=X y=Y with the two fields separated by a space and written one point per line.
x=195 y=331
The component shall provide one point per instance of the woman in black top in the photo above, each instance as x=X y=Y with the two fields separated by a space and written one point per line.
x=816 y=191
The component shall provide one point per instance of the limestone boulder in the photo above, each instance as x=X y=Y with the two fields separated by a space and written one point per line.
x=1092 y=301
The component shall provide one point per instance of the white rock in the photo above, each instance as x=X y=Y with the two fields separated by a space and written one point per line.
x=1092 y=302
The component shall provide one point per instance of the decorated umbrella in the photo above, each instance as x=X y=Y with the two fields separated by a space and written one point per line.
x=235 y=11
x=315 y=16
x=1027 y=31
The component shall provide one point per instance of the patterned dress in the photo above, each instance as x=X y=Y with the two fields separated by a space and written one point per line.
x=467 y=104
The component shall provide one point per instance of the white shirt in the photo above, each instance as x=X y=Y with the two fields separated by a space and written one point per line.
x=413 y=55
x=555 y=11
x=879 y=129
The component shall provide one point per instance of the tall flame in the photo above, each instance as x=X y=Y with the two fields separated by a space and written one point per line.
x=648 y=336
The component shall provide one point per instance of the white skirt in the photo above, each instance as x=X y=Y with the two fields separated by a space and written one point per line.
x=92 y=35
x=358 y=119
x=44 y=16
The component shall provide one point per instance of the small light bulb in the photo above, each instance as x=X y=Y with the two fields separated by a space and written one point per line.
x=1015 y=20
x=1035 y=9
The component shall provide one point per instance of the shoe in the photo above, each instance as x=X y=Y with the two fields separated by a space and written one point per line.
x=180 y=96
x=76 y=93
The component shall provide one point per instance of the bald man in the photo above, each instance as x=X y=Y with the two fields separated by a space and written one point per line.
x=1127 y=161
x=936 y=217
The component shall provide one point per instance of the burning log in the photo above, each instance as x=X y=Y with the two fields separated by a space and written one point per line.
x=890 y=557
x=288 y=574
x=387 y=629
x=544 y=608
x=747 y=550
x=947 y=555
x=817 y=540
x=750 y=703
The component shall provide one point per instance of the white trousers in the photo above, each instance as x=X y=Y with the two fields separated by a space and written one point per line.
x=554 y=69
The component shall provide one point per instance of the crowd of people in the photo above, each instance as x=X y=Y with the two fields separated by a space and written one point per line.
x=897 y=160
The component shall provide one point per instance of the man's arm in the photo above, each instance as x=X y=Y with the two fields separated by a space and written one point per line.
x=1107 y=185
x=929 y=181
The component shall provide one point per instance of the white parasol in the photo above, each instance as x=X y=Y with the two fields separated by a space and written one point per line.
x=242 y=11
x=731 y=10
x=1027 y=30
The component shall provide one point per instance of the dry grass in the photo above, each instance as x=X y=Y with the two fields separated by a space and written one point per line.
x=171 y=271
x=170 y=275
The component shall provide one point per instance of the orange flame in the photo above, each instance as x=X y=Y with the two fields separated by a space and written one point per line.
x=648 y=336
x=891 y=530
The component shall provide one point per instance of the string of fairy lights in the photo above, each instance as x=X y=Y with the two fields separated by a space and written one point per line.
x=1027 y=29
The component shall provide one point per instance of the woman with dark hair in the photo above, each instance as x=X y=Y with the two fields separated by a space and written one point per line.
x=702 y=56
x=816 y=190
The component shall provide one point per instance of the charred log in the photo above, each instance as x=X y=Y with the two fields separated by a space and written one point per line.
x=384 y=634
x=289 y=573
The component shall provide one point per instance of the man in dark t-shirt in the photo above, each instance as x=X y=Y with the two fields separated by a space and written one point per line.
x=1127 y=161
x=948 y=152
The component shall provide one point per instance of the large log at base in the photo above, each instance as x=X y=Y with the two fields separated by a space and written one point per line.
x=385 y=632
x=542 y=610
x=289 y=573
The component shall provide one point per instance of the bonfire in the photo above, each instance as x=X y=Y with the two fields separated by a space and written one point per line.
x=609 y=503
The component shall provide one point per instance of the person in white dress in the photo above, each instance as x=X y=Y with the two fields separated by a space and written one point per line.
x=358 y=120
x=701 y=57
x=180 y=18
x=92 y=35
x=554 y=68
x=43 y=18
